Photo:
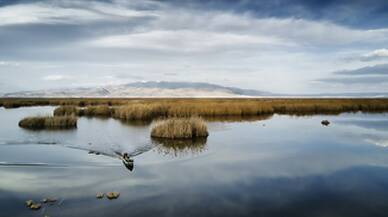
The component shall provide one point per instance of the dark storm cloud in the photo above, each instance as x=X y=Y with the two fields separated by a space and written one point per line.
x=357 y=13
x=281 y=44
x=381 y=69
x=356 y=80
x=46 y=39
x=9 y=2
x=366 y=75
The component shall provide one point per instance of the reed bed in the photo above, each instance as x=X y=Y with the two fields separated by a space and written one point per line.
x=150 y=109
x=57 y=122
x=67 y=110
x=101 y=111
x=140 y=111
x=179 y=128
x=79 y=102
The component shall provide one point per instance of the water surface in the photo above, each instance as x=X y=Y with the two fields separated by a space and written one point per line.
x=279 y=166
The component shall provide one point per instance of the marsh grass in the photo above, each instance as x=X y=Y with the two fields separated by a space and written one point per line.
x=66 y=110
x=48 y=122
x=179 y=128
x=100 y=111
x=140 y=111
x=150 y=109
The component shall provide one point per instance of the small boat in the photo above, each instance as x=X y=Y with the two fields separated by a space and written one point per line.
x=128 y=163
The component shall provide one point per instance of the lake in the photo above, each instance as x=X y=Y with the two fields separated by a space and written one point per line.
x=273 y=166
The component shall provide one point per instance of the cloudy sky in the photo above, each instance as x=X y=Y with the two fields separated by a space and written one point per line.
x=282 y=46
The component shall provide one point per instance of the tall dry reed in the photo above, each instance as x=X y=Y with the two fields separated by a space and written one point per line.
x=57 y=122
x=179 y=128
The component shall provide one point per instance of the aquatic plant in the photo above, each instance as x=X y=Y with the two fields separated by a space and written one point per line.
x=56 y=122
x=66 y=110
x=101 y=110
x=140 y=111
x=179 y=128
x=149 y=109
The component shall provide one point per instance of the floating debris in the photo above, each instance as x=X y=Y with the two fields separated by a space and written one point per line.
x=100 y=195
x=325 y=123
x=29 y=203
x=94 y=152
x=112 y=195
x=49 y=200
x=36 y=206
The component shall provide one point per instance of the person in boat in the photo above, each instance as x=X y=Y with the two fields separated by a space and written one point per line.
x=127 y=161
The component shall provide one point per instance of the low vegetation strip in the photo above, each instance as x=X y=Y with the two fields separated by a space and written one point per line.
x=67 y=110
x=278 y=104
x=101 y=110
x=150 y=109
x=179 y=128
x=38 y=123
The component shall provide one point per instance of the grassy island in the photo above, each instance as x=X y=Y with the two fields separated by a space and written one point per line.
x=39 y=123
x=179 y=128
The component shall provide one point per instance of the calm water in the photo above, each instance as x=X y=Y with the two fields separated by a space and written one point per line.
x=281 y=166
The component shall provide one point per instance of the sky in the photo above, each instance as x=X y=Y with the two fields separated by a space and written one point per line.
x=279 y=46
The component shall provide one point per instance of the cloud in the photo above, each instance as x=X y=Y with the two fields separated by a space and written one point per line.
x=56 y=77
x=242 y=43
x=375 y=55
x=8 y=63
x=202 y=31
x=184 y=40
x=381 y=69
x=370 y=76
x=356 y=80
x=62 y=12
x=358 y=14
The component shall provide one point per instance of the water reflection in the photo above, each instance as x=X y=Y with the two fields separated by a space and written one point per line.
x=291 y=167
x=136 y=123
x=239 y=118
x=180 y=147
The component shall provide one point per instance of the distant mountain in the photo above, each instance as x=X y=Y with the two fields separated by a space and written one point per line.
x=145 y=89
x=176 y=89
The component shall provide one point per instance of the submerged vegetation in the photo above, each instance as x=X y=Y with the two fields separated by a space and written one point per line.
x=179 y=128
x=37 y=123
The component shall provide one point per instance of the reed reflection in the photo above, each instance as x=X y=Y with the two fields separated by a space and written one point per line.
x=232 y=118
x=180 y=147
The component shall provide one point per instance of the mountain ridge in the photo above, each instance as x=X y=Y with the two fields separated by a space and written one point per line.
x=144 y=89
x=175 y=89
